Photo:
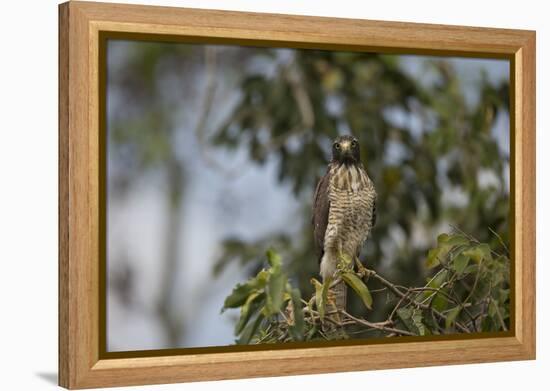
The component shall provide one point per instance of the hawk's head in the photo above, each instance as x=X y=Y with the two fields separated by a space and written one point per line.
x=345 y=149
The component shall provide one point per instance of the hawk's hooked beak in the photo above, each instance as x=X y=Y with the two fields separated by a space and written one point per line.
x=346 y=148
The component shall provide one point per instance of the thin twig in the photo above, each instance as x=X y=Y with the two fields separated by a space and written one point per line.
x=435 y=291
x=401 y=299
x=501 y=241
x=380 y=326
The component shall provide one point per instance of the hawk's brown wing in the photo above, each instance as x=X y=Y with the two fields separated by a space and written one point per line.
x=321 y=206
x=373 y=219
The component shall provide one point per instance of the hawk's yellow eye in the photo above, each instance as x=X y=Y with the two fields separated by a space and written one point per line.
x=337 y=146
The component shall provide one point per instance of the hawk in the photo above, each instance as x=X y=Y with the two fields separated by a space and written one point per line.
x=344 y=211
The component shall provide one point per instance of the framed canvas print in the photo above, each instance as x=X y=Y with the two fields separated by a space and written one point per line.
x=247 y=195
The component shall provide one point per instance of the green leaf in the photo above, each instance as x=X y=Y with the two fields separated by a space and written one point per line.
x=479 y=252
x=445 y=243
x=451 y=316
x=442 y=238
x=452 y=240
x=252 y=304
x=297 y=329
x=471 y=269
x=405 y=314
x=240 y=293
x=435 y=282
x=459 y=263
x=359 y=287
x=273 y=259
x=417 y=322
x=412 y=319
x=503 y=295
x=433 y=258
x=250 y=330
x=238 y=296
x=321 y=293
x=439 y=302
x=438 y=280
x=275 y=292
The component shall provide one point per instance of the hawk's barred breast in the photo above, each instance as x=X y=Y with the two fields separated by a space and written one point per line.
x=352 y=197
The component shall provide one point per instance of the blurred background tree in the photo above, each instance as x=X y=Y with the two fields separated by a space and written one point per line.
x=435 y=146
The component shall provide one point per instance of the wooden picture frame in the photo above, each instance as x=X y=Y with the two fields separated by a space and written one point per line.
x=81 y=25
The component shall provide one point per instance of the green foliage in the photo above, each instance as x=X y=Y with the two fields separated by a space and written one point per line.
x=467 y=292
x=412 y=320
x=262 y=299
x=241 y=292
x=470 y=286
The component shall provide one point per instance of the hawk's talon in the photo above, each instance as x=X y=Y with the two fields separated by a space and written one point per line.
x=361 y=270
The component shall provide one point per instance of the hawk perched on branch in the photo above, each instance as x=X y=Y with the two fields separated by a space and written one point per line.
x=344 y=211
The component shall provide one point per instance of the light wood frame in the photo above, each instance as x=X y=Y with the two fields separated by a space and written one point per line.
x=80 y=24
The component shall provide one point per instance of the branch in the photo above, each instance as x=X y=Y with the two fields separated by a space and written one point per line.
x=379 y=326
x=405 y=296
x=382 y=326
